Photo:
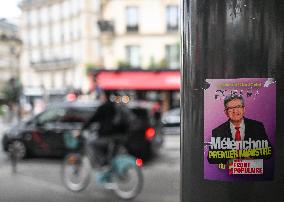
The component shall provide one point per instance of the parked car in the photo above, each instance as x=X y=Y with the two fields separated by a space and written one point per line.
x=43 y=134
x=171 y=122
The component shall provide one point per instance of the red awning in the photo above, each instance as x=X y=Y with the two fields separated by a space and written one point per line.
x=138 y=80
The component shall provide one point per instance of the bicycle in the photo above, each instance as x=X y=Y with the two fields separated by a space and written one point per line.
x=123 y=174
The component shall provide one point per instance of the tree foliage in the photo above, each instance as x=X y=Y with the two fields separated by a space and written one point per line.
x=12 y=91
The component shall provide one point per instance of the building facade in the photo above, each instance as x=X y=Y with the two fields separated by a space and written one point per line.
x=140 y=34
x=64 y=38
x=59 y=42
x=140 y=38
x=10 y=47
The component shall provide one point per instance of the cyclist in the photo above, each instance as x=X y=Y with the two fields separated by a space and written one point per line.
x=111 y=123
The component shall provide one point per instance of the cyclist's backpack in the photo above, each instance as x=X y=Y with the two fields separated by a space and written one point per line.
x=122 y=118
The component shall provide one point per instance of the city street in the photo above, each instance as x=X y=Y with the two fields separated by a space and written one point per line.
x=39 y=180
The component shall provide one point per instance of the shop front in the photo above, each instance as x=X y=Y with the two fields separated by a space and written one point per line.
x=151 y=85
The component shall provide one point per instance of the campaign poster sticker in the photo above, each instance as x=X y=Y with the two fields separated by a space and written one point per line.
x=239 y=129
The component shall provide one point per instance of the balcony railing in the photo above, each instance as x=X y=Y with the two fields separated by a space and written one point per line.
x=171 y=28
x=132 y=28
x=106 y=26
x=63 y=63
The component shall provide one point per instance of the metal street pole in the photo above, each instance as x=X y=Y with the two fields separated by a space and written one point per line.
x=232 y=47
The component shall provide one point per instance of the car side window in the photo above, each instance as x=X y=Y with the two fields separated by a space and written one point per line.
x=51 y=115
x=77 y=115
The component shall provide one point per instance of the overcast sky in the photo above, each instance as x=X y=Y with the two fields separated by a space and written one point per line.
x=9 y=9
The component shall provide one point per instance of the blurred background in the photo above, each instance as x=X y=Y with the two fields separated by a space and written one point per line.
x=56 y=56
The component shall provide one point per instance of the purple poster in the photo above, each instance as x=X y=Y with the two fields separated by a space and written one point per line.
x=239 y=129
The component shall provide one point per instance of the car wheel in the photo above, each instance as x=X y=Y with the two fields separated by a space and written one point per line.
x=19 y=147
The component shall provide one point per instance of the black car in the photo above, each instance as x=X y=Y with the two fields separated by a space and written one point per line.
x=43 y=134
x=145 y=136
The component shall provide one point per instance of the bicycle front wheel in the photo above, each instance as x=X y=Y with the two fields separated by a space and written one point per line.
x=75 y=172
x=130 y=183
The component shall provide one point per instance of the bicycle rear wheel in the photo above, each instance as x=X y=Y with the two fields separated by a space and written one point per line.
x=130 y=183
x=75 y=172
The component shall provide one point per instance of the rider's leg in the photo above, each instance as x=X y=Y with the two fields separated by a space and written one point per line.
x=98 y=151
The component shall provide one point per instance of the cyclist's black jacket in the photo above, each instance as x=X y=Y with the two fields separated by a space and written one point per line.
x=104 y=116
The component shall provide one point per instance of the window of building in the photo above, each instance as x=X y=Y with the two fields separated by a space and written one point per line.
x=26 y=18
x=66 y=9
x=25 y=38
x=34 y=37
x=172 y=18
x=66 y=27
x=62 y=37
x=41 y=55
x=45 y=36
x=47 y=80
x=50 y=34
x=80 y=5
x=55 y=12
x=76 y=51
x=133 y=55
x=75 y=28
x=172 y=56
x=96 y=5
x=44 y=15
x=33 y=17
x=79 y=27
x=74 y=6
x=57 y=53
x=47 y=54
x=35 y=56
x=67 y=51
x=56 y=33
x=132 y=19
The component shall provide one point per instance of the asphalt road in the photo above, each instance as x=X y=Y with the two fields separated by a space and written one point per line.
x=38 y=180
